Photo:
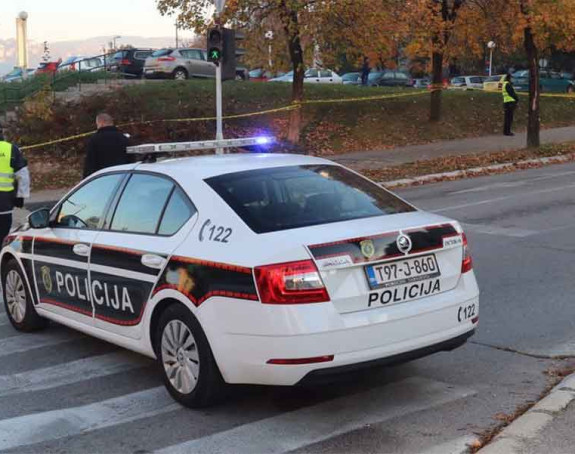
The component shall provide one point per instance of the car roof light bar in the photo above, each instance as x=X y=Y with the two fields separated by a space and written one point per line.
x=174 y=147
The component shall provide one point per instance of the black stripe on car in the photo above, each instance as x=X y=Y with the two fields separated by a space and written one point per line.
x=127 y=259
x=385 y=245
x=55 y=247
x=200 y=280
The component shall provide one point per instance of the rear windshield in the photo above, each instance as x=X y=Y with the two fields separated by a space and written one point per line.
x=162 y=52
x=120 y=55
x=269 y=200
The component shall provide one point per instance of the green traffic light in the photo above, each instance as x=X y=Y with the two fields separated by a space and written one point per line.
x=215 y=54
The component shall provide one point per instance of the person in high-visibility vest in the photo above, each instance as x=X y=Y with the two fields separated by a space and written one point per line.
x=510 y=100
x=14 y=183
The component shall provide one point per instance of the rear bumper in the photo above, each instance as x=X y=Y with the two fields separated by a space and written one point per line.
x=245 y=335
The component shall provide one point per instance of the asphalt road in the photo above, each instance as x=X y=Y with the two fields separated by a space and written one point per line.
x=64 y=392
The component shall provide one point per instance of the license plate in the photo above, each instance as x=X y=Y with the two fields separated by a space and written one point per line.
x=402 y=271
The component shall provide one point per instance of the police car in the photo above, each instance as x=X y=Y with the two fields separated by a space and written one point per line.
x=243 y=268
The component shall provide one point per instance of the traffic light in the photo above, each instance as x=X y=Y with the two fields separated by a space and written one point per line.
x=229 y=60
x=216 y=45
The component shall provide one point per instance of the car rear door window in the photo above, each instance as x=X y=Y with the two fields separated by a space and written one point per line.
x=194 y=54
x=162 y=53
x=325 y=73
x=178 y=211
x=141 y=204
x=142 y=55
x=86 y=207
x=269 y=200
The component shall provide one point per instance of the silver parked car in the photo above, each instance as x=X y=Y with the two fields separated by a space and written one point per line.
x=178 y=64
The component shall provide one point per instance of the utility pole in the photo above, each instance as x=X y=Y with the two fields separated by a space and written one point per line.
x=22 y=42
x=177 y=40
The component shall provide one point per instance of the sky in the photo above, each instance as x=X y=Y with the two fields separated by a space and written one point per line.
x=63 y=20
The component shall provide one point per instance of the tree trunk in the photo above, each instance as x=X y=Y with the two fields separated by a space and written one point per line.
x=533 y=120
x=296 y=55
x=437 y=86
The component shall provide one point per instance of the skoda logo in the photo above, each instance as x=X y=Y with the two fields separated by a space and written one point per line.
x=403 y=243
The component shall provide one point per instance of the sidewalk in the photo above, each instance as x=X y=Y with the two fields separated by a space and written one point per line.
x=486 y=144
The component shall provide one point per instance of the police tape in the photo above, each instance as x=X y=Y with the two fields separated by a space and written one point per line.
x=294 y=106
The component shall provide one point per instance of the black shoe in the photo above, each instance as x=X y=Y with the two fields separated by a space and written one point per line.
x=508 y=134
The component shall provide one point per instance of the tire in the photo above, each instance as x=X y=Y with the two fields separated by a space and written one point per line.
x=570 y=89
x=188 y=367
x=18 y=301
x=180 y=74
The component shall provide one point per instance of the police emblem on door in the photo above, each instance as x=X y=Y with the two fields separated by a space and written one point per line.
x=367 y=248
x=46 y=278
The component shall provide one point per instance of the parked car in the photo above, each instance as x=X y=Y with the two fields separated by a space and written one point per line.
x=16 y=75
x=493 y=83
x=421 y=83
x=263 y=75
x=351 y=79
x=287 y=77
x=82 y=64
x=551 y=82
x=178 y=64
x=321 y=76
x=467 y=82
x=130 y=62
x=388 y=79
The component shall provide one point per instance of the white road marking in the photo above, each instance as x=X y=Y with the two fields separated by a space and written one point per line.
x=499 y=199
x=72 y=372
x=52 y=425
x=296 y=429
x=500 y=231
x=24 y=342
x=457 y=446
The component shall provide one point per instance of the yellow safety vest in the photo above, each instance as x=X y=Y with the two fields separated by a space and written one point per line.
x=6 y=170
x=506 y=97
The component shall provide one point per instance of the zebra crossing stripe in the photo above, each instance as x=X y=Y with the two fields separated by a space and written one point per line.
x=72 y=372
x=23 y=342
x=52 y=425
x=296 y=429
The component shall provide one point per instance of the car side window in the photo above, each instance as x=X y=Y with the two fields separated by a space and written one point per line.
x=194 y=54
x=388 y=75
x=325 y=74
x=312 y=73
x=142 y=55
x=86 y=207
x=177 y=213
x=141 y=204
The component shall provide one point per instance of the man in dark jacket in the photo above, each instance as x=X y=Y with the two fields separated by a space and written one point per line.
x=14 y=183
x=107 y=147
x=365 y=70
x=510 y=100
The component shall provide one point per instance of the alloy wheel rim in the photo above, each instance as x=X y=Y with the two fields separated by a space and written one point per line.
x=15 y=296
x=180 y=357
x=180 y=75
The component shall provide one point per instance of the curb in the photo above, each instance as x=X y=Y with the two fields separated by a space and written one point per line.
x=478 y=171
x=525 y=428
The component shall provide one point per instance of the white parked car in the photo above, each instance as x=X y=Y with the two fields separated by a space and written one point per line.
x=322 y=76
x=251 y=268
x=82 y=64
x=467 y=83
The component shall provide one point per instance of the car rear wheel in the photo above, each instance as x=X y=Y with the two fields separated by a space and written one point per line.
x=18 y=301
x=185 y=358
x=180 y=74
x=570 y=89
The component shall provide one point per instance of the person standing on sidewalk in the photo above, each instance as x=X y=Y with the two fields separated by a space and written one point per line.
x=107 y=147
x=510 y=101
x=365 y=70
x=14 y=183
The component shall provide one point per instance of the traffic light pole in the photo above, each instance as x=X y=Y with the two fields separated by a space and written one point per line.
x=219 y=113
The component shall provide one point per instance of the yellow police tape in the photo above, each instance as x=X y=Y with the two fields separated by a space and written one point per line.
x=296 y=105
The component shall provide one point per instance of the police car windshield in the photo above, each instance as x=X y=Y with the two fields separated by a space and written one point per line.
x=270 y=200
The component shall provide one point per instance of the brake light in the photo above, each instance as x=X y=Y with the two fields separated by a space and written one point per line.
x=167 y=59
x=290 y=283
x=466 y=263
x=125 y=61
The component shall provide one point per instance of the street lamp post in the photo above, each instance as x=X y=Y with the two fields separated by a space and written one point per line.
x=220 y=4
x=269 y=36
x=22 y=42
x=114 y=40
x=491 y=45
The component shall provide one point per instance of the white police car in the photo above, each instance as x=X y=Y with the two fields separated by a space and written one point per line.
x=247 y=268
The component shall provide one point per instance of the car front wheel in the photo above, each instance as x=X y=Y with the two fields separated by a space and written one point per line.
x=18 y=301
x=187 y=364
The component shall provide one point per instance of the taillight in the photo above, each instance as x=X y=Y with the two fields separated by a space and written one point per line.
x=125 y=61
x=466 y=263
x=290 y=283
x=167 y=59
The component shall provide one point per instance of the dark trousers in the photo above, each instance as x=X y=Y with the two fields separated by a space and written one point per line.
x=509 y=111
x=5 y=224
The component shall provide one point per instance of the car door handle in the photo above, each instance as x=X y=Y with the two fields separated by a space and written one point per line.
x=153 y=261
x=81 y=249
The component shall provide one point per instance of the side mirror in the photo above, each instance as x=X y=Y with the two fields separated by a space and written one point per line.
x=39 y=219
